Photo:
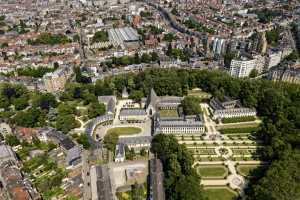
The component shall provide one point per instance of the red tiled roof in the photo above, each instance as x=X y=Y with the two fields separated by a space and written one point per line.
x=19 y=193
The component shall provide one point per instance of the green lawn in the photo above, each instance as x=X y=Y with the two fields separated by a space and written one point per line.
x=220 y=194
x=168 y=113
x=199 y=93
x=124 y=130
x=212 y=171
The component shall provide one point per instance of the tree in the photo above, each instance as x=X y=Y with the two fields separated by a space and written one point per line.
x=66 y=109
x=21 y=103
x=84 y=141
x=136 y=95
x=154 y=56
x=143 y=152
x=281 y=181
x=100 y=36
x=110 y=141
x=253 y=73
x=65 y=123
x=169 y=37
x=96 y=109
x=33 y=117
x=45 y=101
x=12 y=140
x=146 y=58
x=137 y=192
x=191 y=105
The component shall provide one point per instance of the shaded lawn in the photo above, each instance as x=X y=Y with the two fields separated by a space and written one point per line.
x=220 y=194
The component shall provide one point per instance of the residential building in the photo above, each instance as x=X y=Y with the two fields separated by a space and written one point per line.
x=71 y=150
x=288 y=75
x=260 y=63
x=7 y=154
x=273 y=58
x=5 y=129
x=228 y=108
x=13 y=184
x=55 y=81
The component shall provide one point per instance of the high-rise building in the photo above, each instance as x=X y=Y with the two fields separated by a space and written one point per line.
x=242 y=67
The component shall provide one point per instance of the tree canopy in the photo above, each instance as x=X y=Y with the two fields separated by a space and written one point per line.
x=191 y=105
x=181 y=181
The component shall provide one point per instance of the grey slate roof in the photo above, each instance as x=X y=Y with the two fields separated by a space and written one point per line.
x=130 y=112
x=135 y=140
x=152 y=98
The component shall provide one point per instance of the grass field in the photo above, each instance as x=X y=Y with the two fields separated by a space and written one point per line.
x=220 y=194
x=199 y=93
x=124 y=130
x=168 y=113
x=212 y=171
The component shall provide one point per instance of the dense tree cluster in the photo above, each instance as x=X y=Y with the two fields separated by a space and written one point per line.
x=266 y=15
x=130 y=60
x=191 y=105
x=96 y=109
x=44 y=101
x=35 y=72
x=192 y=24
x=182 y=54
x=273 y=36
x=100 y=36
x=66 y=118
x=169 y=37
x=13 y=95
x=49 y=39
x=84 y=141
x=33 y=117
x=181 y=181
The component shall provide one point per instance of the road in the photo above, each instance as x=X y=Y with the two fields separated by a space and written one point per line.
x=87 y=194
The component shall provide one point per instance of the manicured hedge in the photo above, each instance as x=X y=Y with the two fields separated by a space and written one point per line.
x=239 y=130
x=238 y=119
